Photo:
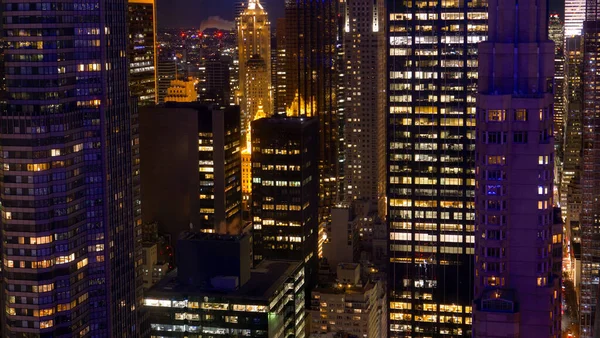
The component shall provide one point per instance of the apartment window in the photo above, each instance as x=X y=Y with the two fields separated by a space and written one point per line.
x=496 y=115
x=495 y=175
x=494 y=189
x=493 y=137
x=520 y=137
x=520 y=115
x=496 y=160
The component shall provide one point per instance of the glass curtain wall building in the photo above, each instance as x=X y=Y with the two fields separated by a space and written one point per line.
x=574 y=17
x=432 y=83
x=142 y=50
x=312 y=44
x=69 y=244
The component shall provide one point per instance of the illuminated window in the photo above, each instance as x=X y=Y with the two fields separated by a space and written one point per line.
x=496 y=160
x=496 y=115
x=520 y=115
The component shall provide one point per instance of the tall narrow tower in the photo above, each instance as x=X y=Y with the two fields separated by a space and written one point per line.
x=254 y=47
x=69 y=240
x=311 y=47
x=432 y=82
x=590 y=177
x=517 y=293
x=142 y=51
x=364 y=106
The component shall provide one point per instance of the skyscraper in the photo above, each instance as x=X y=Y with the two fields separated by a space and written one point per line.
x=285 y=190
x=254 y=48
x=214 y=86
x=364 y=99
x=573 y=140
x=257 y=88
x=312 y=42
x=590 y=180
x=142 y=50
x=166 y=70
x=432 y=82
x=280 y=83
x=517 y=292
x=574 y=17
x=199 y=146
x=69 y=245
x=557 y=34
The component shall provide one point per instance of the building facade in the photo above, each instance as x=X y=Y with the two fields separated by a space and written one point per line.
x=573 y=141
x=358 y=310
x=214 y=85
x=280 y=80
x=201 y=147
x=182 y=91
x=312 y=39
x=574 y=17
x=556 y=31
x=364 y=99
x=220 y=169
x=257 y=88
x=590 y=182
x=166 y=70
x=517 y=287
x=432 y=83
x=69 y=240
x=285 y=190
x=254 y=50
x=222 y=296
x=142 y=50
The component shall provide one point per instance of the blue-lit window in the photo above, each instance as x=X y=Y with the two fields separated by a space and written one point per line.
x=494 y=189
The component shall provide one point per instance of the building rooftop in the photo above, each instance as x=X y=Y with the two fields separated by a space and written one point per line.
x=347 y=289
x=284 y=120
x=264 y=281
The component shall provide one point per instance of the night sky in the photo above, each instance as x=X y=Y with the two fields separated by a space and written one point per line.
x=189 y=13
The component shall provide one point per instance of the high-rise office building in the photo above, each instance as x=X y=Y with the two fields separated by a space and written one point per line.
x=257 y=88
x=69 y=241
x=214 y=85
x=517 y=290
x=312 y=39
x=254 y=51
x=200 y=146
x=573 y=141
x=280 y=82
x=364 y=99
x=285 y=190
x=556 y=32
x=590 y=180
x=574 y=17
x=166 y=70
x=432 y=82
x=142 y=50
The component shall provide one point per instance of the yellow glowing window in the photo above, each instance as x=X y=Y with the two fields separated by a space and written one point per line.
x=496 y=115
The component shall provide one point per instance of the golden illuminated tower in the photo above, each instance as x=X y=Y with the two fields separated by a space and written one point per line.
x=254 y=48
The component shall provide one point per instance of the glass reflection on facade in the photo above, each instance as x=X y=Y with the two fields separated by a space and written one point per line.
x=69 y=244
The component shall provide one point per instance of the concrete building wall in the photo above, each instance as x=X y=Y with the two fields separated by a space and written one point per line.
x=169 y=168
x=514 y=224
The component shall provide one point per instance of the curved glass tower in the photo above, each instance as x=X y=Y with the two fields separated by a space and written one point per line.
x=66 y=171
